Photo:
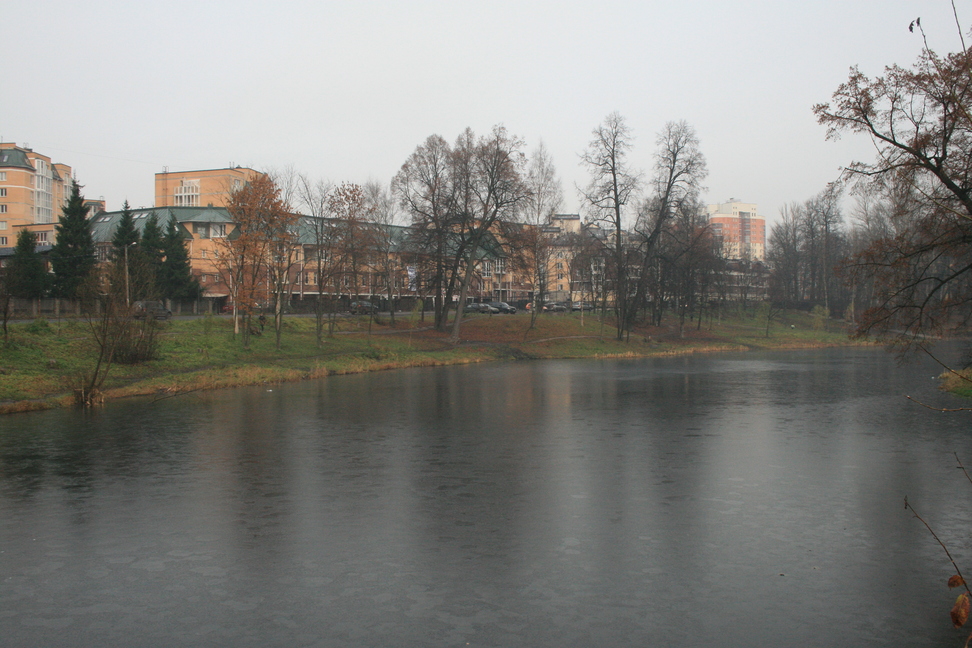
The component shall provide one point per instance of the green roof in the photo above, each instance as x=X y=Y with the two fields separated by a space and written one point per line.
x=103 y=224
x=15 y=158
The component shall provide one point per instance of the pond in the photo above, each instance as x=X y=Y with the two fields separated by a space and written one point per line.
x=734 y=499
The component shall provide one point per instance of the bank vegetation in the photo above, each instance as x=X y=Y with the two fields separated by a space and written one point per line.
x=44 y=362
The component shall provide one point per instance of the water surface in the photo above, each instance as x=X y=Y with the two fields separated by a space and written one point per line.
x=733 y=500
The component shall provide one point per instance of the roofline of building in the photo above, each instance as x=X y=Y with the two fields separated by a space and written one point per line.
x=207 y=170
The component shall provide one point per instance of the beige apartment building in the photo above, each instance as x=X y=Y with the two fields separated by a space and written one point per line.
x=33 y=189
x=740 y=228
x=204 y=188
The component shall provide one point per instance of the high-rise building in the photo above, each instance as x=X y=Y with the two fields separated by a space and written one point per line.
x=741 y=230
x=32 y=192
x=206 y=188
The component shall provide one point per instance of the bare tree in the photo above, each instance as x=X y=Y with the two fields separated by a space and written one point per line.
x=613 y=185
x=424 y=187
x=117 y=336
x=355 y=242
x=680 y=169
x=381 y=205
x=280 y=228
x=544 y=197
x=920 y=123
x=489 y=190
x=322 y=254
x=785 y=255
x=6 y=300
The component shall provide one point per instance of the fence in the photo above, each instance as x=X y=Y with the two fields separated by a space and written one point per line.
x=50 y=308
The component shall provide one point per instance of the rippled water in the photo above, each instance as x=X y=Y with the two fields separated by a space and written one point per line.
x=732 y=500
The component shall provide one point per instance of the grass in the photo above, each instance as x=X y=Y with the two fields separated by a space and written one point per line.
x=960 y=385
x=41 y=363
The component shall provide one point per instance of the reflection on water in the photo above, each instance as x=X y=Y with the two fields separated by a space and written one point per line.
x=750 y=499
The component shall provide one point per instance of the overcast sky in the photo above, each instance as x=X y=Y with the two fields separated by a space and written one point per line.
x=345 y=91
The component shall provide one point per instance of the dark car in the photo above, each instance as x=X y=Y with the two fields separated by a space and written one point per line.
x=358 y=307
x=579 y=306
x=153 y=309
x=555 y=307
x=480 y=308
x=503 y=307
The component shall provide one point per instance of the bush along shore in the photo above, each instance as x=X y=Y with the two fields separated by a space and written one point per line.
x=43 y=363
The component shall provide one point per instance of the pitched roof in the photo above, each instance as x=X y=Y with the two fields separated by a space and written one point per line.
x=15 y=157
x=103 y=224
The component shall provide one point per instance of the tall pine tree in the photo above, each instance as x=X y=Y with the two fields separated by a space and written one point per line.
x=175 y=279
x=152 y=249
x=153 y=241
x=26 y=276
x=73 y=254
x=126 y=235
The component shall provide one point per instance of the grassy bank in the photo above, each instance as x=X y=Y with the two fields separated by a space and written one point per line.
x=41 y=364
x=958 y=383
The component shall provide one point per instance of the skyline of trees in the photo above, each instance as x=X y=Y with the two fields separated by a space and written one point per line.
x=482 y=197
x=910 y=267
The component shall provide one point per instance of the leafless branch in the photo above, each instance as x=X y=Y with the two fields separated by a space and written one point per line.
x=958 y=571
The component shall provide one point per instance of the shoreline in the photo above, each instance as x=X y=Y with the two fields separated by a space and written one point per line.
x=200 y=355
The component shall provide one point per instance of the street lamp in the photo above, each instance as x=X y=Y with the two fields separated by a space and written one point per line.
x=127 y=289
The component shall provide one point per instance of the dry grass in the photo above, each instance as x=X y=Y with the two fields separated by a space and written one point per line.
x=40 y=365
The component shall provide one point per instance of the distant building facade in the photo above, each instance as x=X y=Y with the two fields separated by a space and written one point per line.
x=95 y=206
x=33 y=189
x=740 y=228
x=205 y=188
x=200 y=227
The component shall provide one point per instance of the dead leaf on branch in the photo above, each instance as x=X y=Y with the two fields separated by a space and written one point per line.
x=956 y=581
x=960 y=611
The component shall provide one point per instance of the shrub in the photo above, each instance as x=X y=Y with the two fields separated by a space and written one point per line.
x=38 y=327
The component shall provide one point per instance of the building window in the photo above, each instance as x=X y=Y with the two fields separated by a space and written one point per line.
x=3 y=192
x=203 y=278
x=3 y=225
x=42 y=237
x=218 y=230
x=3 y=209
x=3 y=240
x=3 y=176
x=187 y=193
x=203 y=255
x=201 y=230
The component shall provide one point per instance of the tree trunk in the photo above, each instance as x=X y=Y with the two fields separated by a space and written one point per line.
x=457 y=322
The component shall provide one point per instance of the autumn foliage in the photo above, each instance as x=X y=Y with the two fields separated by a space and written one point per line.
x=920 y=267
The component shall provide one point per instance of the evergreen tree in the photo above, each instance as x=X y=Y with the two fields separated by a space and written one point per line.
x=153 y=242
x=126 y=235
x=175 y=278
x=27 y=277
x=73 y=254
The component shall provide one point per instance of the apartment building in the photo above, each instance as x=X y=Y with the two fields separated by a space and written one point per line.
x=33 y=189
x=201 y=227
x=204 y=188
x=740 y=228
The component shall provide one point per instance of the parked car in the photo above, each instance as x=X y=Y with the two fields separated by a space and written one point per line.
x=503 y=307
x=480 y=308
x=555 y=307
x=579 y=306
x=153 y=309
x=358 y=307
